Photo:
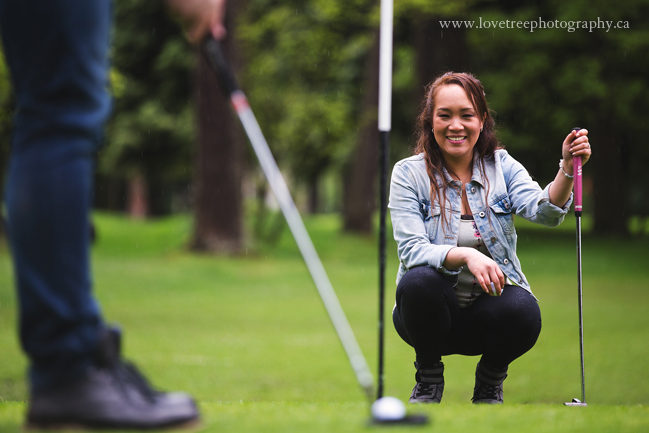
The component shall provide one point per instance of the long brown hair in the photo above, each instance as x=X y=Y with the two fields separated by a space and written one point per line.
x=485 y=146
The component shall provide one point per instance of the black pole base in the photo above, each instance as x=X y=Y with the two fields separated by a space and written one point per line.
x=576 y=402
x=413 y=420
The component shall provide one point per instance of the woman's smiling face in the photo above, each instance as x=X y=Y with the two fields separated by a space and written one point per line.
x=456 y=123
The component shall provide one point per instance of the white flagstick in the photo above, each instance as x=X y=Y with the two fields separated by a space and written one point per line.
x=385 y=117
x=385 y=67
x=385 y=114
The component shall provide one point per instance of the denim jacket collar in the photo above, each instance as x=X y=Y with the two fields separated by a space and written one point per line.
x=477 y=175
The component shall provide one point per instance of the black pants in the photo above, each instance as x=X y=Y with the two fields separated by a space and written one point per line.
x=428 y=317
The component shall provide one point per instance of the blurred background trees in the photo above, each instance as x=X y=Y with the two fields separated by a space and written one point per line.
x=309 y=68
x=146 y=162
x=542 y=84
x=6 y=109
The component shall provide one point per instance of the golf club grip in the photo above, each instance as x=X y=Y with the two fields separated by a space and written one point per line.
x=578 y=182
x=214 y=54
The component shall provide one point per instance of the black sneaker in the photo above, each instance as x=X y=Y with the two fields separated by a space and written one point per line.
x=430 y=384
x=112 y=394
x=488 y=385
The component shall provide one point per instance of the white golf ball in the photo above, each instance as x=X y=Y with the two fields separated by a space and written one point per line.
x=388 y=409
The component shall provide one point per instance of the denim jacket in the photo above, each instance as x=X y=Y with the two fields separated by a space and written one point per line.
x=417 y=224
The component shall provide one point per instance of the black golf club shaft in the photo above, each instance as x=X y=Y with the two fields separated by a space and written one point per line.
x=581 y=314
x=577 y=172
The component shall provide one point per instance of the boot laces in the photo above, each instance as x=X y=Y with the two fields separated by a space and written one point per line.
x=129 y=376
x=427 y=391
x=491 y=392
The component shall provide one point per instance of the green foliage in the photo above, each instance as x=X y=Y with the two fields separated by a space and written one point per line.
x=305 y=71
x=151 y=140
x=436 y=8
x=307 y=128
x=542 y=83
x=303 y=75
x=151 y=131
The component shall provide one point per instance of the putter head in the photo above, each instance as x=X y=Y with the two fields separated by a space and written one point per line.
x=576 y=402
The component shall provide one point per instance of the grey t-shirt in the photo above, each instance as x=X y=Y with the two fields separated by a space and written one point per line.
x=468 y=289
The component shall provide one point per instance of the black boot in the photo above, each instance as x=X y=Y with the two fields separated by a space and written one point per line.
x=430 y=384
x=111 y=394
x=488 y=385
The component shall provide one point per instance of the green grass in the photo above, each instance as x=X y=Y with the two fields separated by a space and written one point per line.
x=250 y=339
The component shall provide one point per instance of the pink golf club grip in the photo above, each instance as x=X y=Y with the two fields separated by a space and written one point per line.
x=576 y=163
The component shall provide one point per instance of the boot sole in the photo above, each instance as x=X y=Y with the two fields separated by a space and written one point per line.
x=191 y=425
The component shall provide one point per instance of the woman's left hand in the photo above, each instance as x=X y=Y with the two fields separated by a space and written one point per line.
x=576 y=144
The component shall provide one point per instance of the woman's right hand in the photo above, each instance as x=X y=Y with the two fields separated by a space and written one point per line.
x=483 y=268
x=486 y=271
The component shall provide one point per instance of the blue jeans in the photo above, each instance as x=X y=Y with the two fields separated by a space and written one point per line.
x=57 y=52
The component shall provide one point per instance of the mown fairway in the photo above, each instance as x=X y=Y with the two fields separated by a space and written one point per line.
x=249 y=337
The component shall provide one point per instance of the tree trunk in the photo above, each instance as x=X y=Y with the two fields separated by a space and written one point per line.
x=314 y=196
x=438 y=51
x=138 y=197
x=360 y=184
x=219 y=161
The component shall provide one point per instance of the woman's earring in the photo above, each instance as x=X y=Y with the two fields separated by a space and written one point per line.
x=481 y=128
x=432 y=130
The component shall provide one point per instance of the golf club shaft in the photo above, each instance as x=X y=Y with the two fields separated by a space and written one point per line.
x=578 y=211
x=581 y=316
x=292 y=216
